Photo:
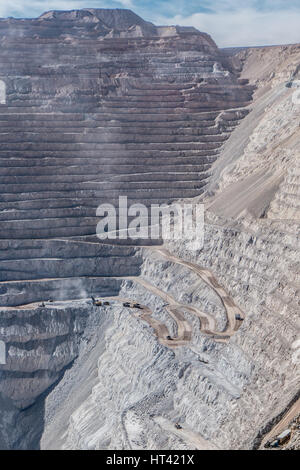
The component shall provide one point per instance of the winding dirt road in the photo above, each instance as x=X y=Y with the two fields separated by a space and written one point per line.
x=191 y=438
x=176 y=309
x=231 y=308
x=283 y=423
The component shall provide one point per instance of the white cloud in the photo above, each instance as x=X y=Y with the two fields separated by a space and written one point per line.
x=126 y=3
x=245 y=27
x=23 y=7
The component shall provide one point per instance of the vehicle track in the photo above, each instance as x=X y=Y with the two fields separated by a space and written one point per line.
x=283 y=423
x=176 y=309
x=208 y=277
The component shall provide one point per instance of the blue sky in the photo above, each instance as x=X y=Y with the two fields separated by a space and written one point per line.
x=229 y=22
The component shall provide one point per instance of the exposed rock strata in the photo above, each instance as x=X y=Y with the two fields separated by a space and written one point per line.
x=100 y=103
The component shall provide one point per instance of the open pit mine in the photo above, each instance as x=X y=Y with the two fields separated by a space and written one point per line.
x=147 y=343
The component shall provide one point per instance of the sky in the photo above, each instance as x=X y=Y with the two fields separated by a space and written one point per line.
x=229 y=22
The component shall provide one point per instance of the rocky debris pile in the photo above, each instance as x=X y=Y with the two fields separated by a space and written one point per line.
x=270 y=66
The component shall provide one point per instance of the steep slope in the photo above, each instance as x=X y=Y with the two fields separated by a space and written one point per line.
x=248 y=381
x=111 y=105
x=96 y=104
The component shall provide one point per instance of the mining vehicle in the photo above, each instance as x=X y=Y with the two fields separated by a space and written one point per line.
x=238 y=317
x=137 y=306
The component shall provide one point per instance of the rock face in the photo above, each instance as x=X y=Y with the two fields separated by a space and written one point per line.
x=98 y=104
x=95 y=104
x=92 y=24
x=87 y=119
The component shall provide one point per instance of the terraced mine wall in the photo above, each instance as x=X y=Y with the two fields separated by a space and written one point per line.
x=92 y=113
x=227 y=380
x=95 y=105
